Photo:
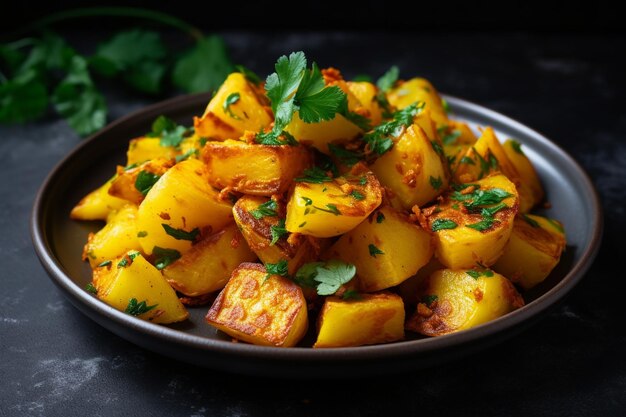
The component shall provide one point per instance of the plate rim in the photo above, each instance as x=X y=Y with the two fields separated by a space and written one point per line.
x=371 y=352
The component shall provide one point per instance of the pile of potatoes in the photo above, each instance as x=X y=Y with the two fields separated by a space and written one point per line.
x=438 y=228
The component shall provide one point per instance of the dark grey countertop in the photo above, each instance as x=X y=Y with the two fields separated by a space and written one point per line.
x=56 y=362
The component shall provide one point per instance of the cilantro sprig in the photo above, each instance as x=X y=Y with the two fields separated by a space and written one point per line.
x=326 y=277
x=136 y=308
x=380 y=139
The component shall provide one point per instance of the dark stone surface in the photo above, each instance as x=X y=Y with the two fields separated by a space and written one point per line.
x=54 y=361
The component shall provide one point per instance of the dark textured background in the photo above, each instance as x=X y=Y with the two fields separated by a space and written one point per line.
x=56 y=362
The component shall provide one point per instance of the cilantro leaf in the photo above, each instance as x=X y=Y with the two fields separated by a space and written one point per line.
x=517 y=147
x=333 y=275
x=281 y=85
x=530 y=221
x=314 y=175
x=320 y=106
x=479 y=198
x=267 y=209
x=380 y=217
x=278 y=231
x=127 y=260
x=373 y=250
x=280 y=268
x=164 y=257
x=204 y=67
x=474 y=273
x=135 y=308
x=429 y=299
x=330 y=208
x=450 y=138
x=78 y=101
x=180 y=234
x=306 y=273
x=441 y=224
x=357 y=195
x=388 y=79
x=230 y=100
x=436 y=183
x=145 y=181
x=91 y=288
x=351 y=295
x=379 y=140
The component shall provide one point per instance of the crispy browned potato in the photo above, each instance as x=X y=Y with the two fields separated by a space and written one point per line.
x=124 y=185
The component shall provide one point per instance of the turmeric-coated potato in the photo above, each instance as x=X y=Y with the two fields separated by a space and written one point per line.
x=413 y=169
x=528 y=175
x=366 y=92
x=320 y=135
x=130 y=278
x=533 y=250
x=207 y=266
x=415 y=90
x=259 y=308
x=180 y=208
x=145 y=149
x=252 y=168
x=454 y=300
x=386 y=249
x=125 y=183
x=263 y=229
x=117 y=237
x=370 y=319
x=98 y=204
x=333 y=206
x=237 y=106
x=472 y=225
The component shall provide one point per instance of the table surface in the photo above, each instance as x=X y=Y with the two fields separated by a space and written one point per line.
x=55 y=361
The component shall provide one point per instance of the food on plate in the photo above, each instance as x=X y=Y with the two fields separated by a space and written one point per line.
x=351 y=211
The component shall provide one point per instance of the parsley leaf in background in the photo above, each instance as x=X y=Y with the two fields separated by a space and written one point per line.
x=388 y=79
x=203 y=68
x=23 y=98
x=78 y=101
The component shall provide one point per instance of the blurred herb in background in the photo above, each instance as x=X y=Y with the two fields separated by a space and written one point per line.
x=43 y=71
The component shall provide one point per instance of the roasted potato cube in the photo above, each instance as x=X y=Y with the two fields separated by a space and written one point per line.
x=180 y=208
x=333 y=207
x=252 y=168
x=145 y=149
x=260 y=309
x=528 y=175
x=207 y=266
x=237 y=106
x=98 y=204
x=457 y=133
x=372 y=319
x=413 y=169
x=472 y=225
x=116 y=238
x=386 y=249
x=455 y=300
x=320 y=135
x=366 y=92
x=257 y=230
x=132 y=277
x=125 y=183
x=419 y=89
x=533 y=250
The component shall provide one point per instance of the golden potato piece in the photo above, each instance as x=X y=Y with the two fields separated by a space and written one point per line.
x=260 y=231
x=320 y=135
x=528 y=175
x=372 y=319
x=145 y=149
x=237 y=106
x=419 y=89
x=455 y=300
x=117 y=237
x=332 y=207
x=125 y=183
x=131 y=277
x=413 y=169
x=533 y=250
x=386 y=249
x=208 y=265
x=252 y=168
x=261 y=310
x=180 y=208
x=365 y=92
x=98 y=204
x=472 y=225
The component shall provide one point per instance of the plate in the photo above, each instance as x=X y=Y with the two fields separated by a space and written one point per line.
x=58 y=242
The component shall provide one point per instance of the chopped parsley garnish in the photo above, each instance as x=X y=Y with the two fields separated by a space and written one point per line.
x=145 y=181
x=314 y=175
x=142 y=233
x=180 y=234
x=302 y=224
x=169 y=131
x=91 y=288
x=327 y=277
x=135 y=308
x=373 y=250
x=307 y=201
x=361 y=121
x=278 y=231
x=493 y=162
x=164 y=257
x=530 y=221
x=484 y=165
x=230 y=100
x=127 y=260
x=346 y=157
x=249 y=74
x=490 y=211
x=477 y=274
x=429 y=299
x=186 y=155
x=556 y=225
x=330 y=208
x=441 y=224
x=351 y=295
x=437 y=147
x=467 y=160
x=517 y=147
x=479 y=198
x=362 y=180
x=488 y=220
x=380 y=217
x=267 y=209
x=449 y=138
x=357 y=195
x=445 y=105
x=436 y=183
x=279 y=268
x=104 y=263
x=379 y=140
x=388 y=79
